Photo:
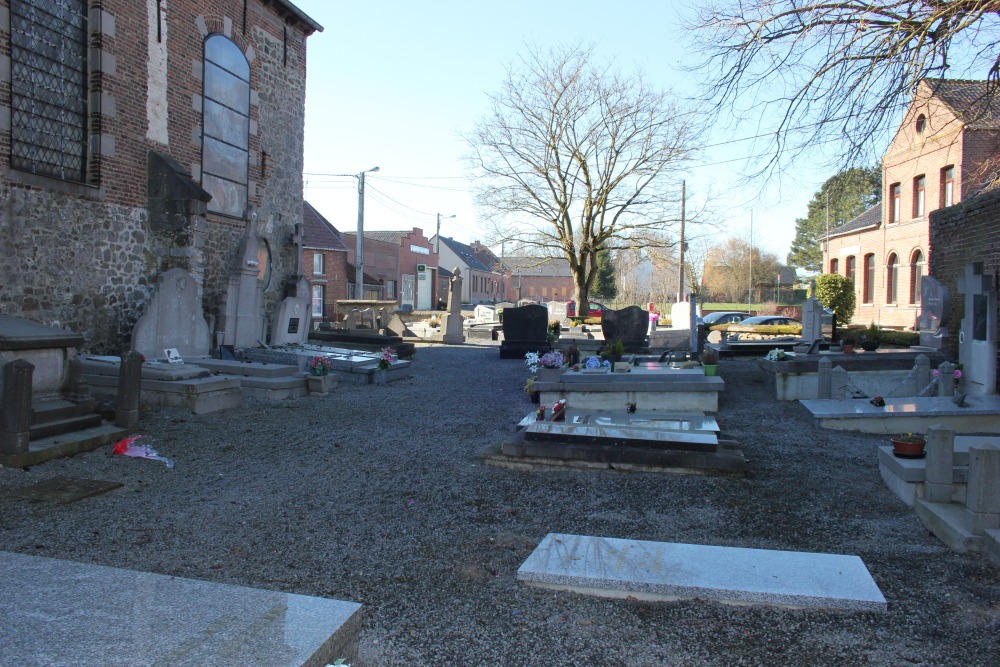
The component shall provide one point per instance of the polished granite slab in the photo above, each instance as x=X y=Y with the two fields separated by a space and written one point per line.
x=694 y=423
x=58 y=612
x=923 y=406
x=617 y=568
x=619 y=434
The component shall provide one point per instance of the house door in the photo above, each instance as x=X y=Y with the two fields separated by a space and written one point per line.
x=424 y=290
x=406 y=295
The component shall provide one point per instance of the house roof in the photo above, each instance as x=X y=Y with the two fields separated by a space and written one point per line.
x=468 y=255
x=317 y=232
x=975 y=103
x=552 y=267
x=870 y=219
x=352 y=273
x=394 y=238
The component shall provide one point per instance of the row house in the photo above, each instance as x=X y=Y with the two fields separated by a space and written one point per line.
x=947 y=145
x=539 y=279
x=138 y=137
x=404 y=262
x=482 y=272
x=324 y=263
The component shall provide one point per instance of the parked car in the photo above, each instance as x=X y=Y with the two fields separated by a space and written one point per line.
x=723 y=317
x=596 y=309
x=770 y=320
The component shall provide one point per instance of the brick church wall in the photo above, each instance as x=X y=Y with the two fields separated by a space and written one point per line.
x=86 y=258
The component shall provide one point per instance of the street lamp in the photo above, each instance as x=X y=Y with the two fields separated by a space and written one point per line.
x=438 y=234
x=359 y=248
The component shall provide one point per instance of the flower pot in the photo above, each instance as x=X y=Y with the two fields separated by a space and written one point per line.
x=905 y=449
x=869 y=345
x=848 y=348
x=709 y=368
x=319 y=385
x=536 y=397
x=380 y=377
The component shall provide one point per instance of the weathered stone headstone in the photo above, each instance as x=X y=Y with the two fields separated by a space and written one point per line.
x=15 y=407
x=292 y=324
x=525 y=329
x=629 y=325
x=812 y=318
x=242 y=322
x=173 y=319
x=454 y=333
x=932 y=322
x=558 y=310
x=484 y=313
x=397 y=327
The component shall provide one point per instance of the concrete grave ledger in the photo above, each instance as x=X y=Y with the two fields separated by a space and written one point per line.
x=616 y=568
x=59 y=612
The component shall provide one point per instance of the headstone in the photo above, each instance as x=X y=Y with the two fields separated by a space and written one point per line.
x=15 y=407
x=525 y=329
x=292 y=324
x=629 y=325
x=454 y=333
x=242 y=322
x=558 y=310
x=351 y=320
x=977 y=343
x=484 y=314
x=397 y=327
x=129 y=382
x=680 y=314
x=173 y=318
x=812 y=318
x=982 y=503
x=932 y=322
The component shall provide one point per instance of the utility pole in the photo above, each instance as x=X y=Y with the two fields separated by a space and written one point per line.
x=680 y=279
x=438 y=234
x=359 y=247
x=750 y=291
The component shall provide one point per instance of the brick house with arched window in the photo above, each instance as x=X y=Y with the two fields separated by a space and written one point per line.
x=947 y=145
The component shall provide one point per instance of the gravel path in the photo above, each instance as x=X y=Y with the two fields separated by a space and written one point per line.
x=378 y=495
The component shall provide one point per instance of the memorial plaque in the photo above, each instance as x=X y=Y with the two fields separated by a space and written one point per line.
x=293 y=325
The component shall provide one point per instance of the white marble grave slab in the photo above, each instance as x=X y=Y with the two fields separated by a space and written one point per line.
x=621 y=433
x=617 y=568
x=58 y=612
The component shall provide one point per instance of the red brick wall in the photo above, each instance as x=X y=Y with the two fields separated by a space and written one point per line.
x=967 y=232
x=333 y=278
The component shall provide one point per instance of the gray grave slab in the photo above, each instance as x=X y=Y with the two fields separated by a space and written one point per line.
x=617 y=568
x=64 y=490
x=60 y=613
x=924 y=407
x=618 y=434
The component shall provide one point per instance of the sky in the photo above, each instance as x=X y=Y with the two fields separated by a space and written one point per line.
x=395 y=84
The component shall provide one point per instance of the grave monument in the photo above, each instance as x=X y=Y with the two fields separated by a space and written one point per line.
x=977 y=339
x=453 y=333
x=173 y=318
x=525 y=329
x=932 y=323
x=629 y=325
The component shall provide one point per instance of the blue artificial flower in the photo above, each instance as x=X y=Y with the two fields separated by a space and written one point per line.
x=593 y=362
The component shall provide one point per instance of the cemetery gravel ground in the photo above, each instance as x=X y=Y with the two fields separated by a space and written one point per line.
x=379 y=495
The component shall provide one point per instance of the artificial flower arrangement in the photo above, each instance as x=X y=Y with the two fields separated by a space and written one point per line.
x=559 y=410
x=593 y=363
x=319 y=365
x=776 y=354
x=552 y=359
x=936 y=373
x=910 y=436
x=531 y=360
x=540 y=413
x=386 y=358
x=877 y=401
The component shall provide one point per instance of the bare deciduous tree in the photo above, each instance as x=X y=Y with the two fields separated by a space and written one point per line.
x=840 y=70
x=728 y=267
x=575 y=158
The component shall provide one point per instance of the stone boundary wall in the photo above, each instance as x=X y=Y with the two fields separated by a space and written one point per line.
x=966 y=232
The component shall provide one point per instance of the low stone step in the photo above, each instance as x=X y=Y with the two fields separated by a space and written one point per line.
x=58 y=612
x=61 y=426
x=65 y=444
x=52 y=409
x=617 y=568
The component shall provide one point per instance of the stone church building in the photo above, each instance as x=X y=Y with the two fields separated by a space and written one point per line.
x=138 y=136
x=946 y=150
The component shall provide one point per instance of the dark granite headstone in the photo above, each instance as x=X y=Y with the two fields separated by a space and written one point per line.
x=934 y=302
x=629 y=325
x=525 y=329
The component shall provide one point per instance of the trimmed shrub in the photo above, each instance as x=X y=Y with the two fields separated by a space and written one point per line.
x=836 y=292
